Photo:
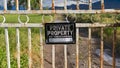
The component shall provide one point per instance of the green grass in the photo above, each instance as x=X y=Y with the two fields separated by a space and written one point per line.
x=34 y=18
x=14 y=18
x=23 y=47
x=99 y=18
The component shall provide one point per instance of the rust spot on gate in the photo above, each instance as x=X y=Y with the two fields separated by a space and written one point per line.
x=53 y=8
x=102 y=7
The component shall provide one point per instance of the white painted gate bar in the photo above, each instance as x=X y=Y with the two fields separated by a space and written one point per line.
x=52 y=11
x=30 y=25
x=38 y=25
x=7 y=47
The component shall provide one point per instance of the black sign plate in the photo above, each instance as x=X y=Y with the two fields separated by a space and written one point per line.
x=60 y=33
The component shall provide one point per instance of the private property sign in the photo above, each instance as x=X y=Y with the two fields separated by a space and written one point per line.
x=60 y=33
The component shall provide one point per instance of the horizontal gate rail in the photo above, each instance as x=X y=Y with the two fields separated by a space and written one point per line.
x=77 y=25
x=21 y=25
x=39 y=25
x=58 y=11
x=53 y=10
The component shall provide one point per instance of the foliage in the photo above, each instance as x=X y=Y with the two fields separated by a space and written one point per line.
x=118 y=18
x=13 y=18
x=34 y=18
x=95 y=18
x=9 y=5
x=23 y=43
x=83 y=18
x=102 y=18
x=34 y=3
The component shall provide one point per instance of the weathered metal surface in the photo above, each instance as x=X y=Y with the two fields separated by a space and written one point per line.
x=102 y=5
x=3 y=19
x=17 y=5
x=41 y=50
x=101 y=50
x=65 y=56
x=53 y=56
x=41 y=25
x=41 y=4
x=89 y=48
x=53 y=5
x=29 y=5
x=5 y=5
x=77 y=48
x=65 y=4
x=21 y=22
x=41 y=11
x=29 y=48
x=90 y=4
x=18 y=46
x=58 y=11
x=77 y=5
x=22 y=25
x=96 y=25
x=7 y=48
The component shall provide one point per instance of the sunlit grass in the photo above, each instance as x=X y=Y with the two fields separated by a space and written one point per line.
x=13 y=18
x=33 y=18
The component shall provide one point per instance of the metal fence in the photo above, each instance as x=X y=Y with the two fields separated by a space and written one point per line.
x=41 y=11
x=78 y=25
x=38 y=25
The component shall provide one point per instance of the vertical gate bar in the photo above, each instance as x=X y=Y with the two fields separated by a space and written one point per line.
x=101 y=49
x=30 y=47
x=53 y=56
x=41 y=4
x=53 y=5
x=102 y=4
x=5 y=5
x=90 y=4
x=29 y=6
x=89 y=48
x=113 y=50
x=65 y=4
x=77 y=6
x=65 y=55
x=17 y=5
x=77 y=48
x=18 y=46
x=7 y=47
x=41 y=50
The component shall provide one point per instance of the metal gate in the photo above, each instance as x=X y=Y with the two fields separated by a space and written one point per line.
x=38 y=25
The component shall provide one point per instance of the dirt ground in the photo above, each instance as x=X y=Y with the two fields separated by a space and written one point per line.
x=71 y=52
